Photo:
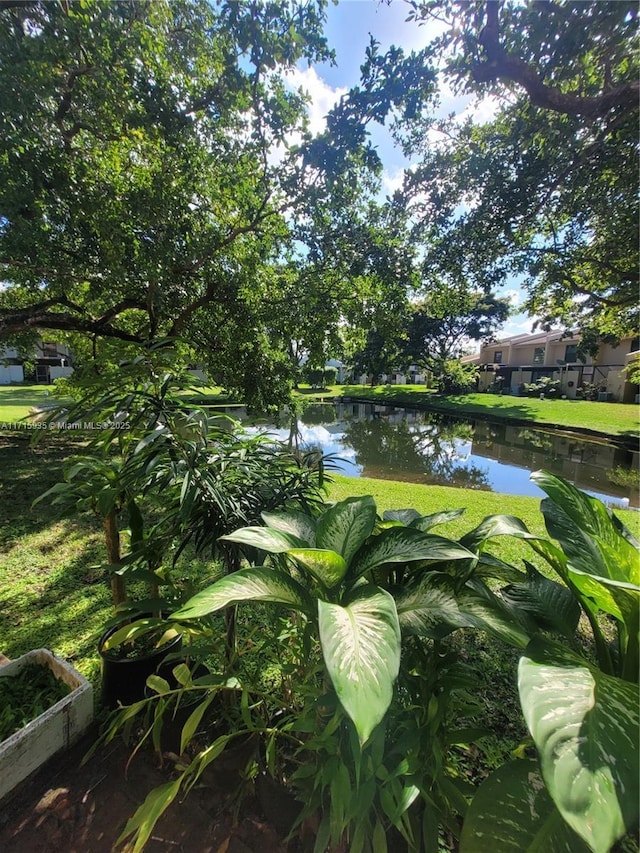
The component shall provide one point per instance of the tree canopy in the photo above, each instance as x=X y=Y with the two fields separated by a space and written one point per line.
x=157 y=172
x=547 y=188
x=441 y=325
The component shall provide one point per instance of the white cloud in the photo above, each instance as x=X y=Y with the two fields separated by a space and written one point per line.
x=392 y=180
x=322 y=96
x=514 y=295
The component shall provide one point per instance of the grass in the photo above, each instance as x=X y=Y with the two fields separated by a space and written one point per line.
x=16 y=401
x=621 y=419
x=427 y=499
x=53 y=593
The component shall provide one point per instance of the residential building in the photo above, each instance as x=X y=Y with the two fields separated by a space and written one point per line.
x=50 y=360
x=514 y=361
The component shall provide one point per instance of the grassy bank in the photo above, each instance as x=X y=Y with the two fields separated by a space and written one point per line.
x=428 y=499
x=621 y=419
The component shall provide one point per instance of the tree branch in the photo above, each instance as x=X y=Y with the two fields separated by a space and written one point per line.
x=499 y=65
x=40 y=316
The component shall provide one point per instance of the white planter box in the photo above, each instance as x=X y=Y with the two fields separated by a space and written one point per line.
x=55 y=729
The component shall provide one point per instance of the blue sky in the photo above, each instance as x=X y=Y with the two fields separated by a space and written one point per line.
x=349 y=26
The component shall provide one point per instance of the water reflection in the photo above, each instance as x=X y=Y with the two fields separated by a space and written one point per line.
x=391 y=443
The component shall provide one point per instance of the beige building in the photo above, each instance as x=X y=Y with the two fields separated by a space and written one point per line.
x=510 y=363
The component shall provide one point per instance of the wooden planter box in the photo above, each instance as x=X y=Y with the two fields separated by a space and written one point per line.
x=56 y=728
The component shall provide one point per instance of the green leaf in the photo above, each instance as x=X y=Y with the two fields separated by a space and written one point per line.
x=426 y=522
x=404 y=516
x=254 y=584
x=585 y=726
x=326 y=566
x=147 y=815
x=496 y=525
x=264 y=538
x=193 y=721
x=361 y=647
x=435 y=608
x=292 y=523
x=512 y=812
x=405 y=545
x=346 y=526
x=553 y=606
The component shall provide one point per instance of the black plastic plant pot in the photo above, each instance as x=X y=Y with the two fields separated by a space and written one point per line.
x=124 y=677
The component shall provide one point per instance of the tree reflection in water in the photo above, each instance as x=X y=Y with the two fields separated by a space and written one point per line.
x=425 y=451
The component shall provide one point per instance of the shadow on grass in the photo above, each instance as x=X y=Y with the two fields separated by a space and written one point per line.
x=27 y=470
x=54 y=594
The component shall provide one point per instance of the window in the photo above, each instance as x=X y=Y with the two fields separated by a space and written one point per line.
x=570 y=352
x=497 y=357
x=49 y=349
x=538 y=355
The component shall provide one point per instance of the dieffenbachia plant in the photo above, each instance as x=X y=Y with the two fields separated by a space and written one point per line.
x=324 y=568
x=583 y=717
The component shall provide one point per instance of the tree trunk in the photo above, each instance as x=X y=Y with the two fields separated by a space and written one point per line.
x=112 y=541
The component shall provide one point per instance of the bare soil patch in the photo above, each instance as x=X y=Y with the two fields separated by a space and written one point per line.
x=70 y=808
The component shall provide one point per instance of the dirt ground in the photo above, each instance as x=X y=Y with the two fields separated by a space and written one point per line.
x=69 y=808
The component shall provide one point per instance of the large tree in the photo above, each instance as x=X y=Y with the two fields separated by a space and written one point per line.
x=150 y=186
x=446 y=320
x=547 y=188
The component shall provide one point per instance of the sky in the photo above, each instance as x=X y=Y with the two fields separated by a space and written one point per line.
x=349 y=26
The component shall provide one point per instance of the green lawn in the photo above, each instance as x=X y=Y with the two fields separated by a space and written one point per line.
x=428 y=499
x=608 y=418
x=16 y=401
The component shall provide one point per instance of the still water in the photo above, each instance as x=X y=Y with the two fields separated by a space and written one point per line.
x=392 y=443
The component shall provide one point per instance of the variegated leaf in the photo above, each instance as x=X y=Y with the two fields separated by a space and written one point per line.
x=553 y=606
x=585 y=727
x=326 y=566
x=292 y=523
x=426 y=522
x=512 y=812
x=361 y=648
x=345 y=526
x=496 y=525
x=264 y=538
x=435 y=608
x=255 y=584
x=406 y=545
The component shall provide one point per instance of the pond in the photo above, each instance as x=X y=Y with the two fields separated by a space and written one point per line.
x=392 y=443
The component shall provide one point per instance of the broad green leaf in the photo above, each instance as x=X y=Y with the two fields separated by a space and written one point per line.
x=326 y=566
x=254 y=584
x=292 y=523
x=435 y=608
x=585 y=726
x=361 y=648
x=553 y=606
x=264 y=538
x=495 y=525
x=345 y=526
x=426 y=522
x=404 y=516
x=586 y=512
x=592 y=541
x=405 y=545
x=512 y=812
